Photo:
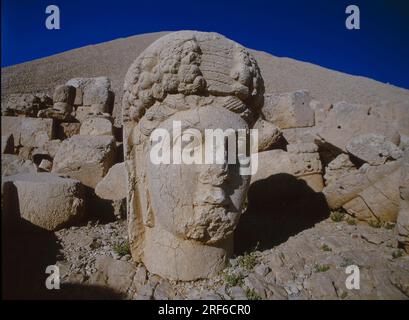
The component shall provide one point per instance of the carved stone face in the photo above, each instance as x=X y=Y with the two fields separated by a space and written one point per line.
x=198 y=201
x=181 y=216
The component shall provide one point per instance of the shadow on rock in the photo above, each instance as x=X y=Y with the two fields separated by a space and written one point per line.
x=278 y=207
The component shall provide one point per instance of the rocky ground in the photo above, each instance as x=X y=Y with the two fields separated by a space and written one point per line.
x=310 y=265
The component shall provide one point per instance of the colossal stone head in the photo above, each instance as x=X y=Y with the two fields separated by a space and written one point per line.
x=181 y=216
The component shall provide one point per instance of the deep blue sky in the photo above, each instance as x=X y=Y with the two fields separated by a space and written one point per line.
x=312 y=31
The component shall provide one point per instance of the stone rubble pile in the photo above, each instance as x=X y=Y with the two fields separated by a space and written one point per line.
x=56 y=150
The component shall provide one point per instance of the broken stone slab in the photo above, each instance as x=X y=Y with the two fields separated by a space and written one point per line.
x=86 y=158
x=45 y=199
x=12 y=164
x=346 y=121
x=320 y=110
x=114 y=185
x=7 y=144
x=96 y=126
x=302 y=161
x=300 y=135
x=96 y=92
x=374 y=149
x=268 y=134
x=289 y=110
x=370 y=193
x=28 y=132
x=64 y=94
x=26 y=104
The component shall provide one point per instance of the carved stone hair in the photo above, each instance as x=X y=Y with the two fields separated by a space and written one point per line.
x=186 y=64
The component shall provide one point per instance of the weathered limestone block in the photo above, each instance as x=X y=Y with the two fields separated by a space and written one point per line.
x=68 y=129
x=78 y=97
x=346 y=121
x=320 y=110
x=289 y=110
x=96 y=126
x=83 y=113
x=86 y=158
x=301 y=161
x=96 y=92
x=12 y=164
x=370 y=193
x=64 y=93
x=49 y=148
x=205 y=81
x=45 y=199
x=300 y=135
x=338 y=168
x=25 y=104
x=268 y=134
x=7 y=144
x=113 y=185
x=28 y=132
x=373 y=149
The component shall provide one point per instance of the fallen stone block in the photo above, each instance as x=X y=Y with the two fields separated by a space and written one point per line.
x=64 y=94
x=114 y=185
x=96 y=92
x=268 y=135
x=96 y=126
x=45 y=199
x=346 y=121
x=289 y=110
x=22 y=104
x=47 y=150
x=86 y=158
x=374 y=149
x=369 y=194
x=12 y=164
x=339 y=167
x=28 y=132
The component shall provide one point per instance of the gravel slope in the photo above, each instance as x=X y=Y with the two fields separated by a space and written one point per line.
x=114 y=57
